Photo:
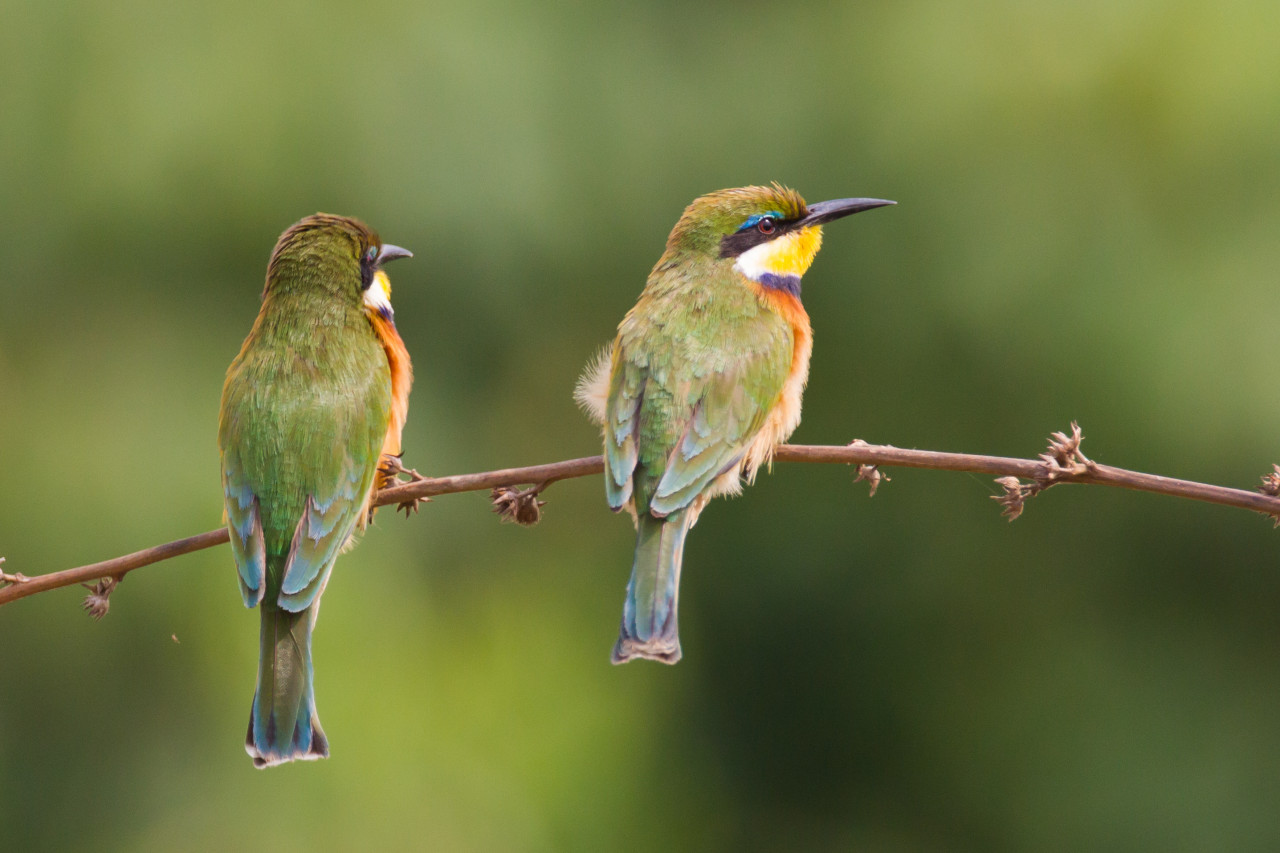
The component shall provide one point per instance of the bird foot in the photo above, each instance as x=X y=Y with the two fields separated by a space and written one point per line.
x=411 y=505
x=392 y=468
x=389 y=474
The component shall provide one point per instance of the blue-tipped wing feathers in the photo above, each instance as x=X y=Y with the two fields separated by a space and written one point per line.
x=666 y=441
x=670 y=443
x=622 y=421
x=244 y=524
x=326 y=524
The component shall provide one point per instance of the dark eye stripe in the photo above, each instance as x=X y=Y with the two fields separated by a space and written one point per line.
x=748 y=237
x=368 y=265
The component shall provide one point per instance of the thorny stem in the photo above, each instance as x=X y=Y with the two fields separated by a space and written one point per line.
x=1062 y=464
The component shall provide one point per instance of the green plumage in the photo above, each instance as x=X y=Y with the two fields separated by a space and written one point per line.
x=705 y=378
x=698 y=364
x=305 y=411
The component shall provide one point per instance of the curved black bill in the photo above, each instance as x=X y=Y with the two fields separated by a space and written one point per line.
x=389 y=252
x=826 y=211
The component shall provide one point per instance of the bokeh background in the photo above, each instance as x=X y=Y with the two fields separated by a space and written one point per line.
x=1088 y=227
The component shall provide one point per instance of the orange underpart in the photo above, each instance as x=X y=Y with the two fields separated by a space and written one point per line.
x=784 y=416
x=401 y=380
x=788 y=307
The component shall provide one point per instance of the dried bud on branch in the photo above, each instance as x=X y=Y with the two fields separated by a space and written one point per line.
x=98 y=601
x=1016 y=493
x=872 y=475
x=1271 y=487
x=522 y=507
x=1271 y=482
x=16 y=577
x=1063 y=458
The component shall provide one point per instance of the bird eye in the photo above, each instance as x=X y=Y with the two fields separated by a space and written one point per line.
x=371 y=255
x=765 y=225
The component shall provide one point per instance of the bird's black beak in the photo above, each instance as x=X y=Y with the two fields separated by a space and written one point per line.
x=389 y=252
x=827 y=211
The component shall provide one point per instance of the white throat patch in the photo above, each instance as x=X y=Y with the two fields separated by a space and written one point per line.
x=378 y=295
x=754 y=263
x=772 y=264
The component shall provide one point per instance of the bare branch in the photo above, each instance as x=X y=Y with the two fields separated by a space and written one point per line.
x=406 y=493
x=1062 y=463
x=117 y=567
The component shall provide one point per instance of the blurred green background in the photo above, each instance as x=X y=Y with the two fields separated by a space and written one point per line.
x=1088 y=227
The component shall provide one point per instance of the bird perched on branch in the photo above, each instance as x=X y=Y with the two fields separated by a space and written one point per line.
x=703 y=380
x=312 y=412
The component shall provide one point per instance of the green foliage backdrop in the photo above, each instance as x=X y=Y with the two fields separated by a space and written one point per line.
x=1088 y=227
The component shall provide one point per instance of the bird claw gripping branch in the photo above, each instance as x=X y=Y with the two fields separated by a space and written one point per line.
x=389 y=475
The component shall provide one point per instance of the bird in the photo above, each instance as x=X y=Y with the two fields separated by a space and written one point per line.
x=703 y=380
x=310 y=426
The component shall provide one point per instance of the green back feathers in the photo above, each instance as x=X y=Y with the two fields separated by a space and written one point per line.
x=306 y=405
x=699 y=361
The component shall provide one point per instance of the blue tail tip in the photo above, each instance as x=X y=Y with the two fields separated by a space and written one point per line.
x=267 y=753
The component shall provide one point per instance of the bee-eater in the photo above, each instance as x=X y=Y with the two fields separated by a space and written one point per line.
x=703 y=381
x=314 y=402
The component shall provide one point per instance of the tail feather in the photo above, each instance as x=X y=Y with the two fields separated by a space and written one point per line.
x=649 y=626
x=283 y=725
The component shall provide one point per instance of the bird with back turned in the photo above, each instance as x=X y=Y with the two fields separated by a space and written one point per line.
x=310 y=425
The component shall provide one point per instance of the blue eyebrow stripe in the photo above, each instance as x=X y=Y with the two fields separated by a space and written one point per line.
x=756 y=217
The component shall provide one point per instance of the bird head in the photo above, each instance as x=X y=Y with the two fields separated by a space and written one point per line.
x=337 y=256
x=769 y=234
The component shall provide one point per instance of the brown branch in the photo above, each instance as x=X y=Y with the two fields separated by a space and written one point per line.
x=115 y=568
x=20 y=586
x=1063 y=463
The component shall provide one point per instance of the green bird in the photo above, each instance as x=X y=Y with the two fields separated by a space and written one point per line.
x=703 y=381
x=312 y=413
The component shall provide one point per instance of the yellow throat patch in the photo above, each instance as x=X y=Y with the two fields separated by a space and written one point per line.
x=789 y=255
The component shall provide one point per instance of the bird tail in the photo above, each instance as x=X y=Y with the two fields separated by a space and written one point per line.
x=283 y=725
x=649 y=628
